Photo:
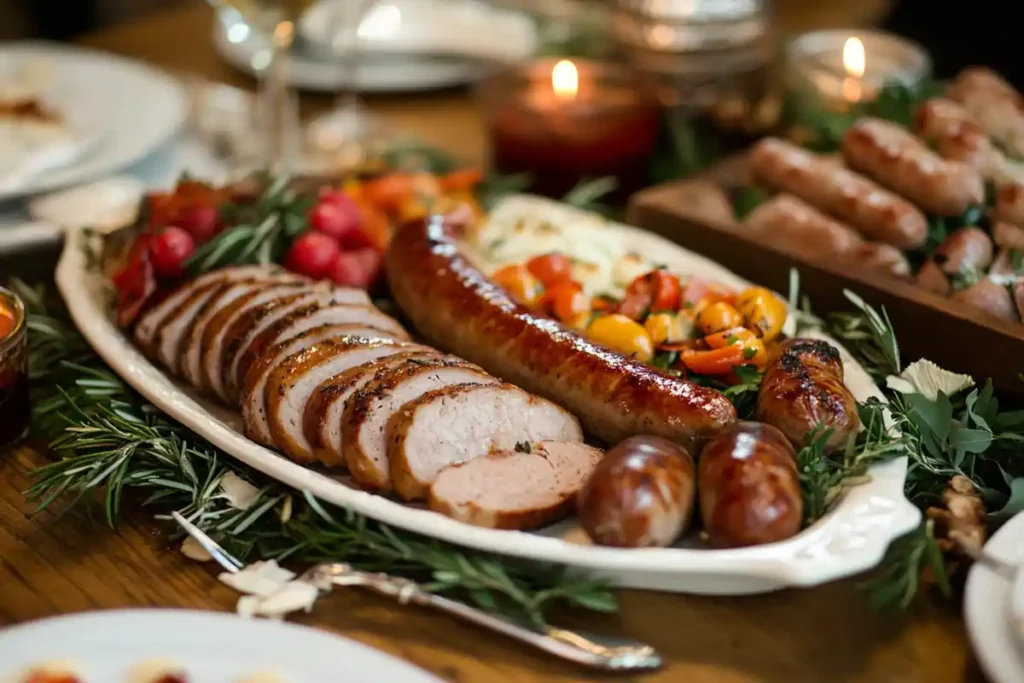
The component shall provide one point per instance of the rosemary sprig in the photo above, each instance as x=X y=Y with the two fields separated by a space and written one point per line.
x=111 y=440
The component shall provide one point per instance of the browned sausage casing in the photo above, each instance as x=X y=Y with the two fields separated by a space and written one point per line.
x=956 y=135
x=640 y=495
x=793 y=224
x=990 y=297
x=877 y=213
x=460 y=310
x=803 y=389
x=895 y=158
x=994 y=104
x=749 y=486
x=965 y=250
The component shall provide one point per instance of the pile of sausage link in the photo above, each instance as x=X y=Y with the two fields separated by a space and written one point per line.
x=872 y=205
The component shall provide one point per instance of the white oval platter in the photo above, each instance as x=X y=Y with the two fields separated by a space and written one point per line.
x=852 y=538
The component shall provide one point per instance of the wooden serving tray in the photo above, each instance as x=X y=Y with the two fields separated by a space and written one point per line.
x=956 y=336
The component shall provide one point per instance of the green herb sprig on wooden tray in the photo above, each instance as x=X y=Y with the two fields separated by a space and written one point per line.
x=111 y=442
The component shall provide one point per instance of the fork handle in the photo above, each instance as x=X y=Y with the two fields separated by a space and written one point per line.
x=622 y=656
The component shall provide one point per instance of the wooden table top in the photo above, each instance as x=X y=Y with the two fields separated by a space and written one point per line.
x=51 y=566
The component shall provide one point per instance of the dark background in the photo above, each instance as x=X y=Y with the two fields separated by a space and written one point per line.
x=958 y=33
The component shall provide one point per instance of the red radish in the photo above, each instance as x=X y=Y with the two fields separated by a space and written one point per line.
x=335 y=215
x=312 y=254
x=357 y=268
x=169 y=250
x=202 y=222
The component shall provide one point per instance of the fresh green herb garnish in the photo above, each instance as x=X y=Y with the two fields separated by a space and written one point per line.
x=746 y=199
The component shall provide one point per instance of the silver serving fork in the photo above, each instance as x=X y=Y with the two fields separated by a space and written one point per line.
x=600 y=652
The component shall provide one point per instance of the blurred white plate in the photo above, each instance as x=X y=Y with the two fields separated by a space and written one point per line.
x=130 y=107
x=991 y=624
x=405 y=45
x=208 y=647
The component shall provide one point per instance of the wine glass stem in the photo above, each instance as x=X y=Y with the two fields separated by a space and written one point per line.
x=278 y=100
x=348 y=57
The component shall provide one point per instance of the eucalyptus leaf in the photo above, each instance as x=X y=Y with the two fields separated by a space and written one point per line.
x=1014 y=502
x=970 y=440
x=933 y=417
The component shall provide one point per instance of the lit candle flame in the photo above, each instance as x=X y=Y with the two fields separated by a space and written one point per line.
x=855 y=62
x=854 y=59
x=565 y=80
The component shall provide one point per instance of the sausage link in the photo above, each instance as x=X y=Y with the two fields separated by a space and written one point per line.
x=460 y=310
x=793 y=224
x=990 y=297
x=966 y=249
x=749 y=487
x=877 y=213
x=931 y=278
x=803 y=390
x=1008 y=236
x=994 y=104
x=881 y=257
x=956 y=135
x=895 y=158
x=640 y=495
x=1009 y=205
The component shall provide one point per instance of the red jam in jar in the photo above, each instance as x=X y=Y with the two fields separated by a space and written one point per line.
x=14 y=404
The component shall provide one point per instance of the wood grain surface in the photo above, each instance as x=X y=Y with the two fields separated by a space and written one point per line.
x=52 y=565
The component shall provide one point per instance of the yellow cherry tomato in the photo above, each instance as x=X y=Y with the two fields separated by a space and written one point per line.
x=762 y=312
x=622 y=334
x=665 y=327
x=519 y=284
x=754 y=353
x=717 y=317
x=736 y=335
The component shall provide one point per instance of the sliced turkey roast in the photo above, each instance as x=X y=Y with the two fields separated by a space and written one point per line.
x=529 y=487
x=322 y=417
x=290 y=384
x=461 y=423
x=366 y=415
x=252 y=396
x=299 y=321
x=256 y=319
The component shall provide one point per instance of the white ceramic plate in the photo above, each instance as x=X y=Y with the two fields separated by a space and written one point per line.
x=851 y=539
x=131 y=108
x=113 y=646
x=987 y=608
x=399 y=49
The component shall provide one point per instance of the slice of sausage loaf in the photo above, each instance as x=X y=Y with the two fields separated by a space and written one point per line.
x=227 y=294
x=457 y=424
x=322 y=417
x=216 y=330
x=257 y=319
x=304 y=319
x=513 y=489
x=252 y=399
x=150 y=321
x=365 y=419
x=292 y=383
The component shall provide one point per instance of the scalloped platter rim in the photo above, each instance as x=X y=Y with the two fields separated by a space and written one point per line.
x=851 y=538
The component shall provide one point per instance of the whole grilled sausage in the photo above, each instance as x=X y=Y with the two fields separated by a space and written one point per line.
x=877 y=213
x=881 y=257
x=749 y=486
x=895 y=158
x=966 y=249
x=994 y=104
x=791 y=223
x=803 y=390
x=955 y=134
x=640 y=495
x=460 y=310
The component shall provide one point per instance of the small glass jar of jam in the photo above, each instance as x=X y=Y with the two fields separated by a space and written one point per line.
x=14 y=403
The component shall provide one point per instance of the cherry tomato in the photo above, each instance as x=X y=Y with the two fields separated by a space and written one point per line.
x=387 y=192
x=754 y=353
x=717 y=317
x=169 y=249
x=357 y=268
x=762 y=311
x=622 y=334
x=713 y=362
x=664 y=328
x=201 y=222
x=551 y=268
x=568 y=303
x=665 y=291
x=519 y=284
x=313 y=254
x=336 y=216
x=735 y=335
x=44 y=677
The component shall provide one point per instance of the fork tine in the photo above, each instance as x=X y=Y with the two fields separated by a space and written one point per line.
x=225 y=559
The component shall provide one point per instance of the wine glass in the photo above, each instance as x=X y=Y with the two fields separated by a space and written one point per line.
x=276 y=114
x=345 y=130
